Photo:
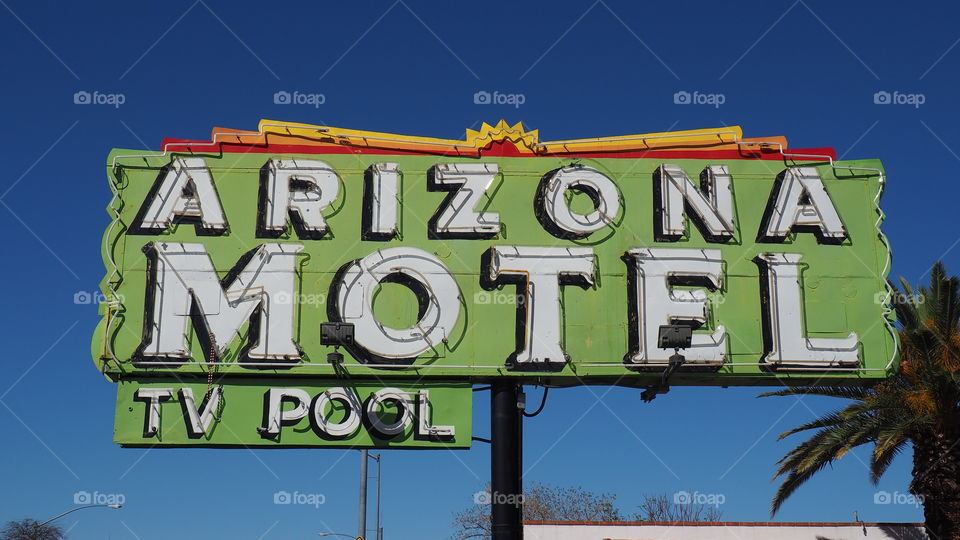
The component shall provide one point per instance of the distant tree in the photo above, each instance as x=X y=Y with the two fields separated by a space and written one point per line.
x=663 y=508
x=540 y=503
x=543 y=503
x=31 y=529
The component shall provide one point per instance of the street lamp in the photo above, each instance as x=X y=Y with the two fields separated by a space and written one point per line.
x=340 y=534
x=58 y=516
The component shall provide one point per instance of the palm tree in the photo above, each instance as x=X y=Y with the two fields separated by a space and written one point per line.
x=31 y=529
x=919 y=404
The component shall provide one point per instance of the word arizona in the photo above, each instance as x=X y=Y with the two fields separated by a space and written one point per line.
x=303 y=190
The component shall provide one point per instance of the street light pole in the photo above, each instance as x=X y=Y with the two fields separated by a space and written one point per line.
x=362 y=528
x=58 y=516
x=364 y=480
x=378 y=534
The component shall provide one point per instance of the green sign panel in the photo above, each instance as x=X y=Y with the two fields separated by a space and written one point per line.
x=304 y=253
x=294 y=413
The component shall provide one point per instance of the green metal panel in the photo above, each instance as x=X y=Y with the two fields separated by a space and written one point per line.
x=241 y=415
x=843 y=286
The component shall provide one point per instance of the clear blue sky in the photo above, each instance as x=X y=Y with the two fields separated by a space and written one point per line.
x=808 y=70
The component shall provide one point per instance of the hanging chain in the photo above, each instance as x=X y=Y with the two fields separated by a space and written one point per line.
x=211 y=366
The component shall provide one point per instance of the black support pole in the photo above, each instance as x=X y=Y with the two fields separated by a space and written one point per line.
x=505 y=462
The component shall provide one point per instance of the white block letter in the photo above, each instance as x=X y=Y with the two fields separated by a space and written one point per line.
x=380 y=201
x=424 y=426
x=426 y=276
x=711 y=204
x=152 y=398
x=185 y=190
x=653 y=273
x=198 y=422
x=460 y=215
x=539 y=272
x=351 y=419
x=783 y=320
x=276 y=417
x=801 y=205
x=183 y=279
x=303 y=189
x=555 y=214
x=401 y=401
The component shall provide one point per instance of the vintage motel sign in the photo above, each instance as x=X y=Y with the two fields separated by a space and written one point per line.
x=453 y=262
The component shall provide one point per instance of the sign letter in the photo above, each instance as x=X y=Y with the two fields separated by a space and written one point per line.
x=458 y=216
x=554 y=212
x=425 y=275
x=185 y=190
x=783 y=319
x=540 y=272
x=654 y=301
x=185 y=283
x=801 y=204
x=711 y=205
x=301 y=188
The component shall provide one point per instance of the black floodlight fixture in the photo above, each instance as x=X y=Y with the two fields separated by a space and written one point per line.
x=337 y=334
x=675 y=336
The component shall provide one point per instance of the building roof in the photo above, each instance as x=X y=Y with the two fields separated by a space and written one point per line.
x=726 y=523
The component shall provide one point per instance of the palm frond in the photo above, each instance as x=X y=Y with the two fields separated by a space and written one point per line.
x=844 y=392
x=829 y=419
x=823 y=448
x=888 y=447
x=918 y=404
x=793 y=481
